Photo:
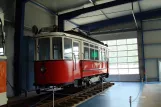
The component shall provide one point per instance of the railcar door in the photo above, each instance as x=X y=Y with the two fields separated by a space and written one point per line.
x=76 y=59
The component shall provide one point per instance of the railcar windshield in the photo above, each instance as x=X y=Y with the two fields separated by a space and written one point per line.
x=67 y=48
x=57 y=47
x=44 y=48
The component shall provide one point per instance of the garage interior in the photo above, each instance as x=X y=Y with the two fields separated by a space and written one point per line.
x=130 y=28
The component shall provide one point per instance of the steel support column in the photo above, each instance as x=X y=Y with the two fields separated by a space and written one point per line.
x=18 y=45
x=143 y=53
x=60 y=24
x=142 y=42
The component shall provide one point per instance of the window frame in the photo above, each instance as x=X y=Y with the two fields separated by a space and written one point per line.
x=88 y=50
x=131 y=53
x=95 y=47
x=38 y=48
x=71 y=48
x=52 y=54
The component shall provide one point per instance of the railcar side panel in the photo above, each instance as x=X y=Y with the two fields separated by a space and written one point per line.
x=90 y=68
x=77 y=70
x=56 y=72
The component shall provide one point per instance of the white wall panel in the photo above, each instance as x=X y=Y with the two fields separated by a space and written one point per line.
x=152 y=51
x=151 y=68
x=114 y=36
x=37 y=16
x=68 y=25
x=152 y=47
x=124 y=78
x=152 y=37
x=152 y=24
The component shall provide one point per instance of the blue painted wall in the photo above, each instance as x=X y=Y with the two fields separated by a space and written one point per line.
x=28 y=65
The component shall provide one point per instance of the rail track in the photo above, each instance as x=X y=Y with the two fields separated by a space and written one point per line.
x=74 y=99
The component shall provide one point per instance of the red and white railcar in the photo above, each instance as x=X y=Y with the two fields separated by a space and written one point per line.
x=3 y=65
x=63 y=58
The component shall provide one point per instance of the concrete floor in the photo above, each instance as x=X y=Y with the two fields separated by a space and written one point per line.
x=151 y=96
x=143 y=95
x=117 y=96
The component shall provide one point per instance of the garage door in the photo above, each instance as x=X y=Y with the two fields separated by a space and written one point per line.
x=123 y=60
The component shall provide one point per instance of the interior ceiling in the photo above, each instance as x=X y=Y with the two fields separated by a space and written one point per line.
x=63 y=6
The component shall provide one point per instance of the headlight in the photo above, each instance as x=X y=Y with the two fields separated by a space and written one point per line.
x=43 y=69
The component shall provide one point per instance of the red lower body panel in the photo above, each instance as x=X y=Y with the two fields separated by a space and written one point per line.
x=90 y=68
x=56 y=72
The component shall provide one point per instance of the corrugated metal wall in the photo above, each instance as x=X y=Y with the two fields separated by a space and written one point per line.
x=35 y=15
x=152 y=48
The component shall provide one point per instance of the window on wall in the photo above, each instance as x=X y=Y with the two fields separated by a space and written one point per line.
x=123 y=56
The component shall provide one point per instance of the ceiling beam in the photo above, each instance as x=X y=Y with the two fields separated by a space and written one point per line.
x=132 y=5
x=113 y=31
x=94 y=4
x=70 y=15
x=139 y=16
x=139 y=6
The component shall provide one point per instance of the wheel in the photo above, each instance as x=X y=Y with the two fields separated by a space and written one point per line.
x=107 y=75
x=38 y=91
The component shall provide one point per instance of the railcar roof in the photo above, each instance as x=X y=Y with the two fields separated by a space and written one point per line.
x=75 y=34
x=84 y=36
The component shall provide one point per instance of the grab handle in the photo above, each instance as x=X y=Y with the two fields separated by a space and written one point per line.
x=74 y=61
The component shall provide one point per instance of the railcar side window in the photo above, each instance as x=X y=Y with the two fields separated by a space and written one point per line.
x=96 y=55
x=86 y=51
x=44 y=48
x=57 y=47
x=100 y=54
x=103 y=56
x=76 y=49
x=92 y=54
x=67 y=48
